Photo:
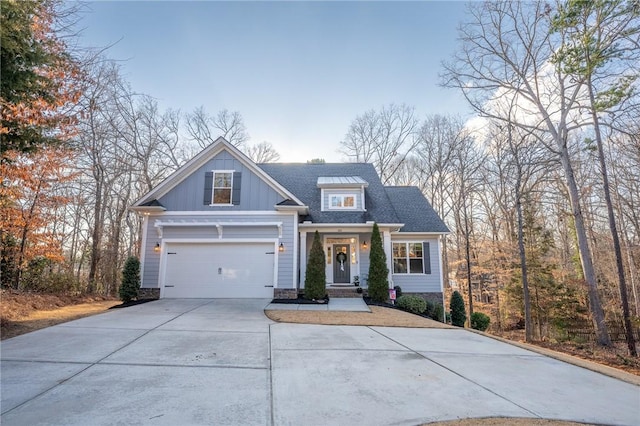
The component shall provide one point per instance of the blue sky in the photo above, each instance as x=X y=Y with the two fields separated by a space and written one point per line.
x=298 y=72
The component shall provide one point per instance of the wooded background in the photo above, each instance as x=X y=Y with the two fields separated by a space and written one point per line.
x=541 y=190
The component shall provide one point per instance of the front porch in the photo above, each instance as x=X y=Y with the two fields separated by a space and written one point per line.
x=346 y=250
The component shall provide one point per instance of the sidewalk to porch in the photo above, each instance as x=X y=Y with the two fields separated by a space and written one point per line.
x=349 y=304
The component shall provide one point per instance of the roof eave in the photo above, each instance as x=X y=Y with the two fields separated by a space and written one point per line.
x=147 y=209
x=304 y=210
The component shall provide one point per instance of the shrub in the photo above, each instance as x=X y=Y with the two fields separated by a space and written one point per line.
x=398 y=290
x=480 y=321
x=315 y=281
x=430 y=307
x=413 y=304
x=438 y=313
x=130 y=280
x=458 y=312
x=378 y=272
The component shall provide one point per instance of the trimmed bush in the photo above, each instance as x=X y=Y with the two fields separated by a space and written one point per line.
x=315 y=281
x=378 y=272
x=458 y=311
x=430 y=307
x=413 y=304
x=438 y=313
x=130 y=280
x=480 y=321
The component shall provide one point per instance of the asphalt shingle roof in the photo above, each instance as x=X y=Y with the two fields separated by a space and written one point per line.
x=384 y=204
x=414 y=210
x=301 y=179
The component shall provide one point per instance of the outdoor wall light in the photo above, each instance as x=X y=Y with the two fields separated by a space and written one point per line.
x=364 y=244
x=281 y=248
x=157 y=248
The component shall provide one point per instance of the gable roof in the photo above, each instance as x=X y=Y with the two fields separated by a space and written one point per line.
x=414 y=210
x=302 y=179
x=196 y=162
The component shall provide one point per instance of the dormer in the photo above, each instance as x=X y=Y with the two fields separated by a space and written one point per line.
x=342 y=193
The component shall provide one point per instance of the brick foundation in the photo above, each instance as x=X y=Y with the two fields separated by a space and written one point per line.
x=285 y=293
x=149 y=293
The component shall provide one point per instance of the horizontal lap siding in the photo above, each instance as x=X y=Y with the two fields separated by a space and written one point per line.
x=285 y=259
x=421 y=283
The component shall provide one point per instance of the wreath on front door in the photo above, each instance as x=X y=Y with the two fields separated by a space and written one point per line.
x=341 y=257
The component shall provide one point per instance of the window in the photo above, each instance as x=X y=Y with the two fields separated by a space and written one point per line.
x=222 y=185
x=340 y=201
x=409 y=258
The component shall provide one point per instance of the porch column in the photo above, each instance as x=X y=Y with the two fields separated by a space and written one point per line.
x=303 y=258
x=386 y=243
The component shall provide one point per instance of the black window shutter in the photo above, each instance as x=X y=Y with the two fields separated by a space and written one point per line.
x=426 y=254
x=208 y=187
x=237 y=184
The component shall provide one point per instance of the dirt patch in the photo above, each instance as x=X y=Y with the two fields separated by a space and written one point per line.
x=22 y=313
x=501 y=421
x=616 y=356
x=379 y=316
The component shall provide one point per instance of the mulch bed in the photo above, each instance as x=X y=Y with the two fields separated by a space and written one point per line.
x=132 y=303
x=302 y=301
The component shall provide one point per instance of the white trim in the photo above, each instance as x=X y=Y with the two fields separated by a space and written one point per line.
x=143 y=246
x=342 y=201
x=344 y=226
x=389 y=253
x=322 y=207
x=159 y=225
x=296 y=209
x=221 y=213
x=163 y=250
x=364 y=205
x=401 y=234
x=442 y=278
x=303 y=258
x=200 y=159
x=295 y=252
x=354 y=246
x=407 y=258
x=213 y=189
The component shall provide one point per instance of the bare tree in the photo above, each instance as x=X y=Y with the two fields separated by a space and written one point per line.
x=383 y=138
x=603 y=36
x=505 y=52
x=205 y=128
x=263 y=152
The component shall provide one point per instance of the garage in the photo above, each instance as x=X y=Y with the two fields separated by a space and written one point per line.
x=218 y=270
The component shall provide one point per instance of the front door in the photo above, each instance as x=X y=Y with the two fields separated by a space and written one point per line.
x=341 y=264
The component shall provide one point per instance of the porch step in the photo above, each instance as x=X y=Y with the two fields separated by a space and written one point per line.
x=338 y=292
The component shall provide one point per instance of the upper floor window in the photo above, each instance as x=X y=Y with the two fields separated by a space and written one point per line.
x=222 y=185
x=340 y=201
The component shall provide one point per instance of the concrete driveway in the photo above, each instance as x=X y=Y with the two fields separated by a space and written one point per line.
x=222 y=362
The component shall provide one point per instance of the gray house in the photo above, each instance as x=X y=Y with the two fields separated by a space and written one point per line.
x=224 y=227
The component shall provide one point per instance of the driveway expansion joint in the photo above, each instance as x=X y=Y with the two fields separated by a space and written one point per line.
x=460 y=375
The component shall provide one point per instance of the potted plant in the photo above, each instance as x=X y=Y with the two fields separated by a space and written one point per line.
x=356 y=281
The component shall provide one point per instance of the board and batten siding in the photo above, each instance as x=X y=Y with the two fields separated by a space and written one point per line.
x=151 y=273
x=255 y=193
x=421 y=283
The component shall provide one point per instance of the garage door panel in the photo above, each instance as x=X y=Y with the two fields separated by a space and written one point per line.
x=230 y=270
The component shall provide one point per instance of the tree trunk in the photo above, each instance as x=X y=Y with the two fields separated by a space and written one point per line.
x=528 y=326
x=631 y=344
x=600 y=326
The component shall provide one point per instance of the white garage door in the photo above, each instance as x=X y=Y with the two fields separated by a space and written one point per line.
x=231 y=270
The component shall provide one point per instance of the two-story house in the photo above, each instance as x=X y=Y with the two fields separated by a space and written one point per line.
x=222 y=226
